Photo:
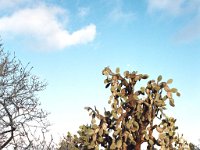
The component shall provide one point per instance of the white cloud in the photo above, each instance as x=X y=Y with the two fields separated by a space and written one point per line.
x=42 y=24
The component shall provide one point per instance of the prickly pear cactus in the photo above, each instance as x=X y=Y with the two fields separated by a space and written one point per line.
x=136 y=117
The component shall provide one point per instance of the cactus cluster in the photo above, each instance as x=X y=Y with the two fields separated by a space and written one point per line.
x=137 y=116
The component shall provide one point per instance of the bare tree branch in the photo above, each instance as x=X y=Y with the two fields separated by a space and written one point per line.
x=23 y=123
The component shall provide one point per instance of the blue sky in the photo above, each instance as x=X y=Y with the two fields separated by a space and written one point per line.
x=69 y=43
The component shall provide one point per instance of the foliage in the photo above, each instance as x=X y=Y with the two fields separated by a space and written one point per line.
x=136 y=117
x=22 y=122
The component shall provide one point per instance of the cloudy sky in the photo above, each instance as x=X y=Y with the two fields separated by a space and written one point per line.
x=69 y=42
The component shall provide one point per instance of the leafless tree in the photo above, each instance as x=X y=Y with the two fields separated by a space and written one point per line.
x=23 y=123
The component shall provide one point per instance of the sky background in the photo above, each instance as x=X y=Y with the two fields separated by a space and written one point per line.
x=69 y=42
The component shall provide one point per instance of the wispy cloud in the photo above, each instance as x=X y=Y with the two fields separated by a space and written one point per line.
x=43 y=25
x=180 y=8
x=118 y=14
x=9 y=3
x=83 y=11
x=167 y=6
x=190 y=32
x=173 y=7
x=9 y=6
